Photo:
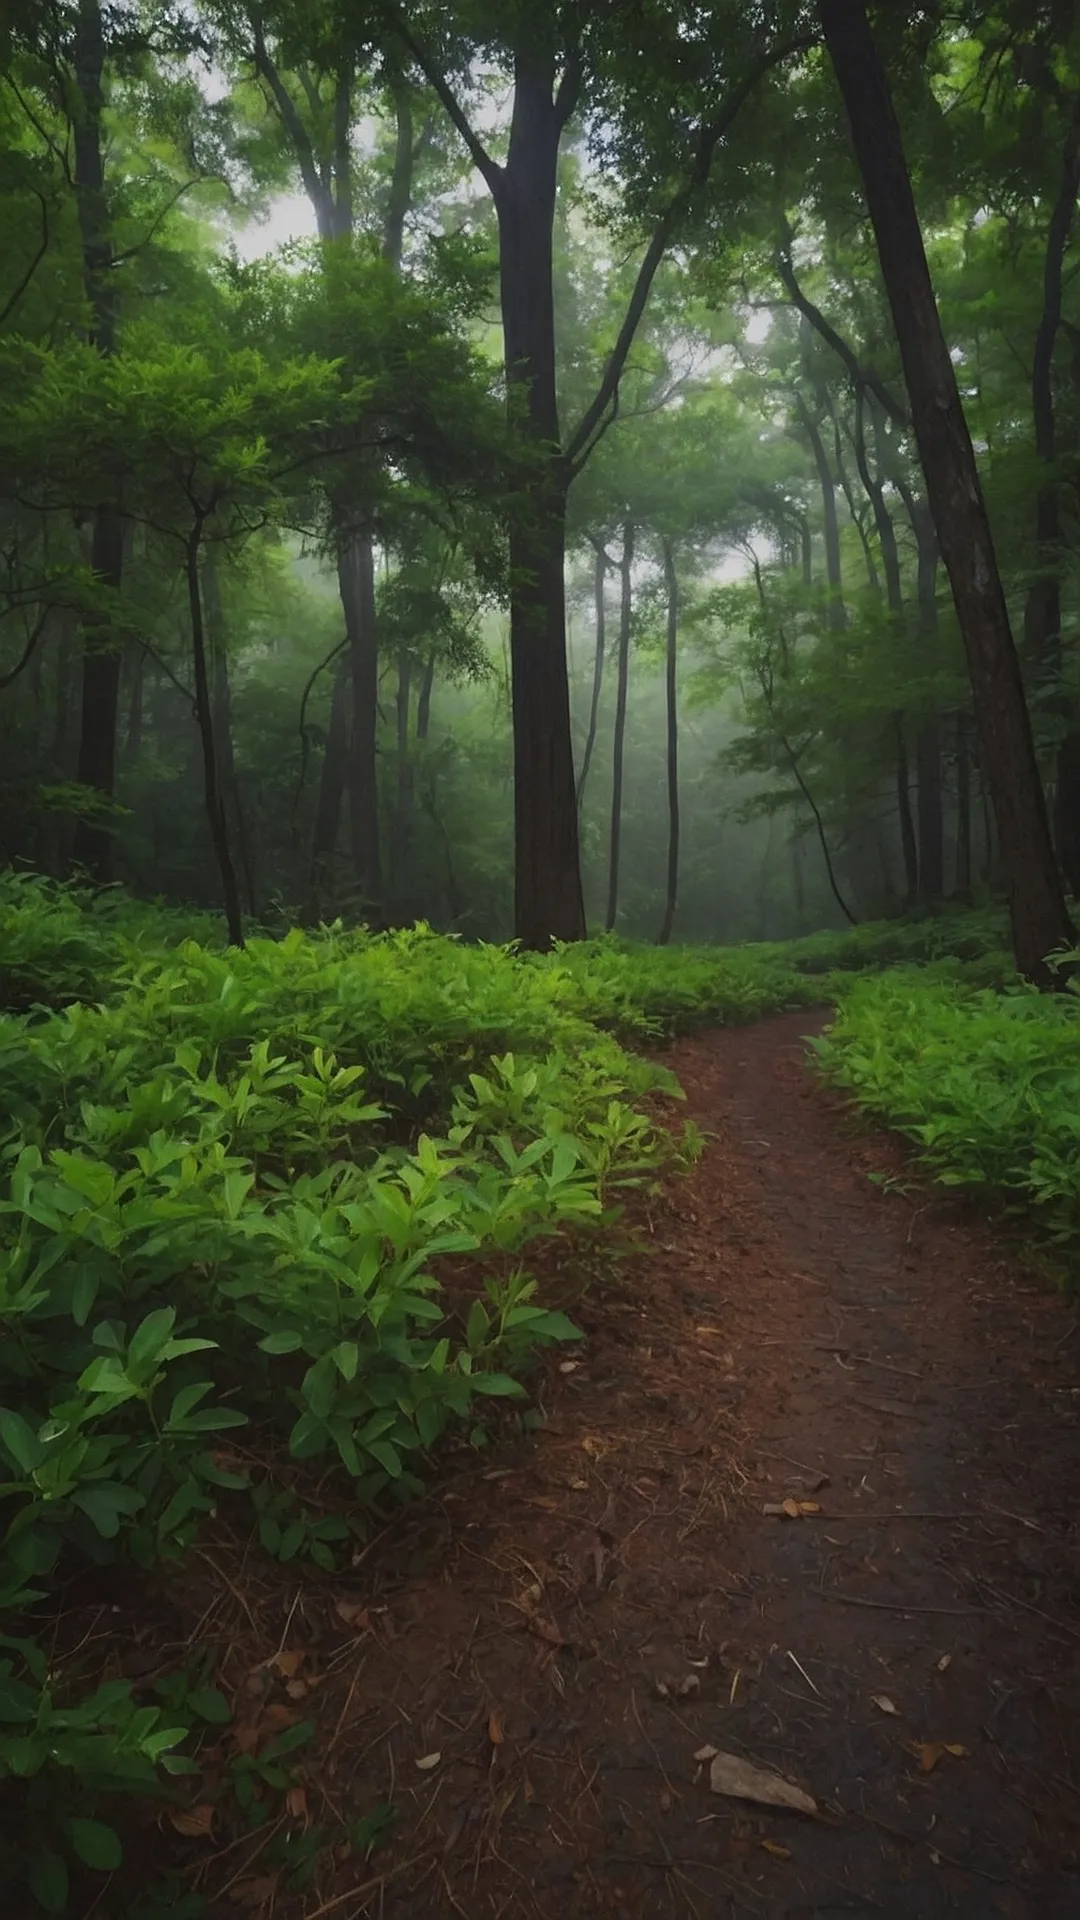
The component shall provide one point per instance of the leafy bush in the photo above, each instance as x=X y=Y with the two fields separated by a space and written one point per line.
x=987 y=1084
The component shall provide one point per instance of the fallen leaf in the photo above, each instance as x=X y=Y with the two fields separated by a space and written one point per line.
x=791 y=1508
x=738 y=1779
x=569 y=1366
x=429 y=1760
x=288 y=1664
x=353 y=1615
x=257 y=1892
x=545 y=1501
x=246 y=1736
x=296 y=1803
x=882 y=1700
x=495 y=1730
x=195 y=1823
x=929 y=1752
x=580 y=1486
x=944 y=1662
x=297 y=1689
x=778 y=1852
x=706 y=1753
x=547 y=1630
x=809 y=1506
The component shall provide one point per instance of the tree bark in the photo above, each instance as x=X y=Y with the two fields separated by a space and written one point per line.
x=625 y=611
x=548 y=901
x=404 y=784
x=1040 y=919
x=204 y=714
x=221 y=709
x=599 y=578
x=423 y=698
x=928 y=749
x=672 y=694
x=101 y=655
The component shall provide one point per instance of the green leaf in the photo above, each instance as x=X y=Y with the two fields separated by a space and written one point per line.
x=20 y=1440
x=477 y=1327
x=210 y=1705
x=96 y=1845
x=47 y=1878
x=106 y=1504
x=285 y=1341
x=150 y=1338
x=83 y=1294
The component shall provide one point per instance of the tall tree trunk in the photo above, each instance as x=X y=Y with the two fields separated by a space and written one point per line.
x=908 y=842
x=101 y=654
x=963 y=810
x=221 y=709
x=625 y=611
x=672 y=692
x=599 y=578
x=204 y=714
x=1040 y=919
x=548 y=901
x=423 y=698
x=403 y=782
x=356 y=584
x=928 y=749
x=830 y=522
x=1042 y=610
x=333 y=779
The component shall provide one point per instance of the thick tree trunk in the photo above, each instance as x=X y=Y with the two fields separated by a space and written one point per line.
x=599 y=579
x=333 y=779
x=671 y=685
x=356 y=584
x=1040 y=920
x=204 y=714
x=548 y=902
x=619 y=741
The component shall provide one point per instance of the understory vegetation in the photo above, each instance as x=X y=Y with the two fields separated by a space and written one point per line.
x=266 y=1241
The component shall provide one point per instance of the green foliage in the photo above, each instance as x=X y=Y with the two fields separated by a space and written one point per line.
x=986 y=1083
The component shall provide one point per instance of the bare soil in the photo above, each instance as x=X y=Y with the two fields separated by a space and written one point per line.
x=525 y=1667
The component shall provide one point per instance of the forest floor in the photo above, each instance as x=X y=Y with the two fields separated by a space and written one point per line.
x=526 y=1666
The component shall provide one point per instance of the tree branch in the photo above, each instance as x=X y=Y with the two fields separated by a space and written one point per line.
x=862 y=376
x=35 y=263
x=28 y=651
x=439 y=84
x=314 y=184
x=712 y=133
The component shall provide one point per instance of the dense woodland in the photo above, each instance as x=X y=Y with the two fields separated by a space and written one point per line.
x=524 y=529
x=286 y=619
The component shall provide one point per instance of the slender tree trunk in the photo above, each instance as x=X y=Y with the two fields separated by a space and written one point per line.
x=548 y=901
x=403 y=781
x=333 y=779
x=672 y=692
x=356 y=584
x=599 y=578
x=806 y=548
x=963 y=810
x=908 y=843
x=830 y=522
x=204 y=714
x=101 y=655
x=618 y=745
x=1040 y=919
x=423 y=698
x=221 y=709
x=928 y=751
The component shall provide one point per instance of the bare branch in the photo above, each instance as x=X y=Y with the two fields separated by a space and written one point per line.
x=862 y=376
x=35 y=263
x=29 y=650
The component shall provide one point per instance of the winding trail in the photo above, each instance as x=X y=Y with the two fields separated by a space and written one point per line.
x=568 y=1623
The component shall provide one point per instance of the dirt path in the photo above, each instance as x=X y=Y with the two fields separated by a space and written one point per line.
x=565 y=1626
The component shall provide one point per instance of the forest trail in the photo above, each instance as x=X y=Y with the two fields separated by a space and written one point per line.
x=567 y=1624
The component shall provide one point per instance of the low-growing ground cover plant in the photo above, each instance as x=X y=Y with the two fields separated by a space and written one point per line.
x=233 y=1186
